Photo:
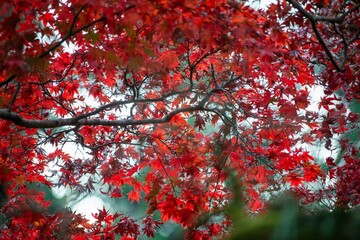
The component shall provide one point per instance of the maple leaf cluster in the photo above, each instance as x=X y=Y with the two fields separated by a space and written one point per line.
x=182 y=101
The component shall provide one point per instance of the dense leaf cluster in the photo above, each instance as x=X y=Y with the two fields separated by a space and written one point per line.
x=182 y=101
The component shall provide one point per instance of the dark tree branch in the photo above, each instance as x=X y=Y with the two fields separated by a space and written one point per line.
x=356 y=36
x=69 y=35
x=72 y=33
x=325 y=47
x=75 y=18
x=12 y=77
x=315 y=18
x=59 y=102
x=346 y=46
x=212 y=71
x=6 y=114
x=63 y=76
x=16 y=93
x=83 y=119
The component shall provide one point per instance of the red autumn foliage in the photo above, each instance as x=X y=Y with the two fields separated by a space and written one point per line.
x=125 y=90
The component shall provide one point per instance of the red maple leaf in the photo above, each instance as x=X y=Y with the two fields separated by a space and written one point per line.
x=134 y=196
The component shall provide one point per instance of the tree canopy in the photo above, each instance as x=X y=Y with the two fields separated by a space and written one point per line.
x=192 y=104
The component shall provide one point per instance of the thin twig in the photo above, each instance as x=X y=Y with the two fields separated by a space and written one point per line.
x=314 y=19
x=16 y=93
x=12 y=77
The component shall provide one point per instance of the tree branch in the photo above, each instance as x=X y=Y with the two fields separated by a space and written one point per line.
x=356 y=36
x=325 y=47
x=315 y=18
x=16 y=93
x=69 y=35
x=63 y=76
x=83 y=119
x=346 y=46
x=12 y=77
x=6 y=114
x=72 y=33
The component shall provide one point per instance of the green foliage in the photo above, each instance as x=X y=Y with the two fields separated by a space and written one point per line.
x=285 y=220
